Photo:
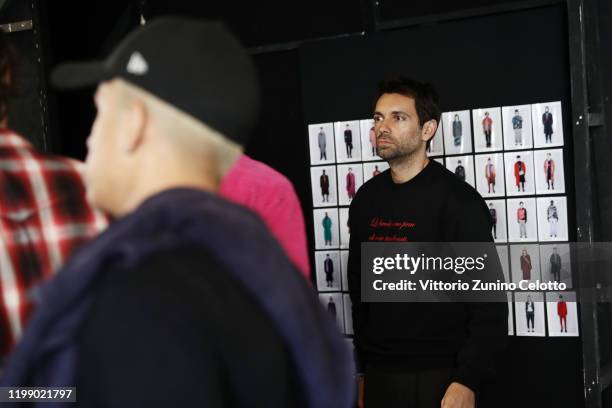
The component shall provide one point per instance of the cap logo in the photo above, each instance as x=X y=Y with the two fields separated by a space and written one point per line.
x=137 y=64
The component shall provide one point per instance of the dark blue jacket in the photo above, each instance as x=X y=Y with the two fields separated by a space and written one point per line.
x=46 y=356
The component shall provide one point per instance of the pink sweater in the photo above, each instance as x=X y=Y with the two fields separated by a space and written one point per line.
x=270 y=195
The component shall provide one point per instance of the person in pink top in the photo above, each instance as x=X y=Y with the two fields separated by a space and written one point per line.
x=270 y=195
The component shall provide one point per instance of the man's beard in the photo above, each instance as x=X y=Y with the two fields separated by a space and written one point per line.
x=395 y=152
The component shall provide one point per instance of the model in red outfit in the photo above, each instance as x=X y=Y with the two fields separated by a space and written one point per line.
x=562 y=312
x=519 y=173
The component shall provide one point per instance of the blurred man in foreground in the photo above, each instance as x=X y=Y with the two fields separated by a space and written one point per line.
x=186 y=299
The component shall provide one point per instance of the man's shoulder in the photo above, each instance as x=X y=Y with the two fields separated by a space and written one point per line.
x=185 y=292
x=373 y=186
x=176 y=277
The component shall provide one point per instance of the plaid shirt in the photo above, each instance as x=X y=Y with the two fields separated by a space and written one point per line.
x=44 y=217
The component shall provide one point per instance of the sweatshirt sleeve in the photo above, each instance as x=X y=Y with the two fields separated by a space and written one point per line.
x=488 y=322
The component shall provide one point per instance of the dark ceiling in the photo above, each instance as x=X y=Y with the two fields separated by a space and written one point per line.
x=89 y=25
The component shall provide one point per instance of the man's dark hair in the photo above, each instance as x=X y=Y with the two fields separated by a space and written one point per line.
x=424 y=95
x=7 y=62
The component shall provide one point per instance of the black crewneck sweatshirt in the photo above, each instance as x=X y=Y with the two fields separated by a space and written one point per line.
x=401 y=337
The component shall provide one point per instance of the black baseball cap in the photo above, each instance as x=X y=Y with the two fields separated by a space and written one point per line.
x=195 y=65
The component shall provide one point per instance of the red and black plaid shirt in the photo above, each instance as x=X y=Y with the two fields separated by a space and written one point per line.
x=44 y=217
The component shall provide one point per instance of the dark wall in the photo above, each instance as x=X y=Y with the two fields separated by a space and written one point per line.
x=601 y=162
x=605 y=199
x=390 y=10
x=277 y=140
x=65 y=38
x=605 y=33
x=259 y=23
x=27 y=112
x=477 y=62
x=256 y=24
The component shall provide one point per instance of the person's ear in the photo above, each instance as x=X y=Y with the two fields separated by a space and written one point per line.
x=134 y=133
x=429 y=130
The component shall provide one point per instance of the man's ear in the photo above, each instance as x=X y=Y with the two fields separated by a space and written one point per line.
x=429 y=130
x=135 y=121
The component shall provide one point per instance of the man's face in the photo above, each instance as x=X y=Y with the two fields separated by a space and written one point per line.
x=398 y=133
x=546 y=109
x=103 y=167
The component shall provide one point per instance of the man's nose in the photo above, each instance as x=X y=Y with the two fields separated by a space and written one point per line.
x=383 y=128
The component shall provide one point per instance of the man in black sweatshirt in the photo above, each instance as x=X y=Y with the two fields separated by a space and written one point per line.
x=419 y=355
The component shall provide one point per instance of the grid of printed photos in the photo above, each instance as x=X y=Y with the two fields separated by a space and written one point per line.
x=512 y=155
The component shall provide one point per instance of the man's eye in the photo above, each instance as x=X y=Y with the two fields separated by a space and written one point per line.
x=377 y=119
x=399 y=118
